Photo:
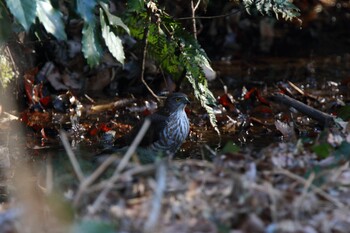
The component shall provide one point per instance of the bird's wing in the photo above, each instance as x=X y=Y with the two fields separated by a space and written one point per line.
x=158 y=122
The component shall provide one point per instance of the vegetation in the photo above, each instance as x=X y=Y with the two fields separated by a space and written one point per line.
x=6 y=72
x=273 y=170
x=165 y=40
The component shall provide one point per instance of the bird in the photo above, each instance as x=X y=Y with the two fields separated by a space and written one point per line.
x=168 y=130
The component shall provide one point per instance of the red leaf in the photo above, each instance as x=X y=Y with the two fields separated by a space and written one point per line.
x=261 y=98
x=24 y=117
x=45 y=101
x=226 y=100
x=29 y=77
x=93 y=131
x=104 y=127
x=146 y=112
x=249 y=94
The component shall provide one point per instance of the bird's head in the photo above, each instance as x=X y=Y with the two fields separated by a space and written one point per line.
x=176 y=101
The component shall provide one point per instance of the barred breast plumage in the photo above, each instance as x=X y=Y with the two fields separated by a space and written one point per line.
x=169 y=127
x=174 y=133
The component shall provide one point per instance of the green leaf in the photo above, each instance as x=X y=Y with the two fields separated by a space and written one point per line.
x=113 y=42
x=5 y=23
x=204 y=95
x=278 y=7
x=93 y=226
x=230 y=147
x=114 y=20
x=51 y=19
x=322 y=150
x=176 y=51
x=24 y=11
x=192 y=57
x=90 y=45
x=85 y=9
x=6 y=71
x=136 y=5
x=344 y=113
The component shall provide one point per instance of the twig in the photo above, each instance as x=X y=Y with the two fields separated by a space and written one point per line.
x=8 y=51
x=313 y=187
x=194 y=162
x=139 y=170
x=295 y=87
x=95 y=206
x=49 y=175
x=145 y=44
x=117 y=104
x=273 y=195
x=299 y=201
x=151 y=223
x=323 y=118
x=300 y=91
x=89 y=180
x=71 y=155
x=209 y=17
x=11 y=116
x=193 y=11
x=197 y=5
x=89 y=98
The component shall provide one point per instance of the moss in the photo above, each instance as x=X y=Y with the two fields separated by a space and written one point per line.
x=6 y=71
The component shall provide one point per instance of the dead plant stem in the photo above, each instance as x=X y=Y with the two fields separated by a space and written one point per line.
x=139 y=170
x=89 y=180
x=144 y=54
x=153 y=217
x=125 y=160
x=210 y=17
x=194 y=8
x=313 y=187
x=71 y=155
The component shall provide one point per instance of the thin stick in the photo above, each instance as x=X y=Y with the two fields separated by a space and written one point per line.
x=136 y=171
x=8 y=50
x=49 y=175
x=89 y=180
x=194 y=27
x=313 y=187
x=71 y=155
x=300 y=91
x=151 y=223
x=89 y=98
x=145 y=44
x=209 y=17
x=323 y=118
x=125 y=160
x=300 y=200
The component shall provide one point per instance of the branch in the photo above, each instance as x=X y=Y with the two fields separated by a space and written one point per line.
x=145 y=42
x=71 y=155
x=325 y=119
x=125 y=160
x=209 y=17
x=194 y=27
x=151 y=223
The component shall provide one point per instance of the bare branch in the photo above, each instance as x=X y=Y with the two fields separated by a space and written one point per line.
x=71 y=155
x=125 y=160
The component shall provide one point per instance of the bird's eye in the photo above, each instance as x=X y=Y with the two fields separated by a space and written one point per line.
x=178 y=99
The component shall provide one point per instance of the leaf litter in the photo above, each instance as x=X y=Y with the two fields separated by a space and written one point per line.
x=295 y=177
x=285 y=186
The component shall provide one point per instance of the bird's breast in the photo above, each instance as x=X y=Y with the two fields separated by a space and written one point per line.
x=174 y=133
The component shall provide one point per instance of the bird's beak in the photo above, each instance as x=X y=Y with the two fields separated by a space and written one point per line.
x=187 y=101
